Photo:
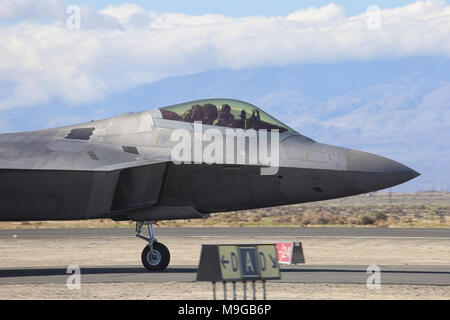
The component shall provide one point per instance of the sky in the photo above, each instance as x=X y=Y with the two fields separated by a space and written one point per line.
x=46 y=54
x=243 y=8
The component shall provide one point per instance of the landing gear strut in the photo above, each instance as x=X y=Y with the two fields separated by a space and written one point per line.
x=155 y=256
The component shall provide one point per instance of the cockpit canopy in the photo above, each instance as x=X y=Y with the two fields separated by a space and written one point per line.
x=224 y=113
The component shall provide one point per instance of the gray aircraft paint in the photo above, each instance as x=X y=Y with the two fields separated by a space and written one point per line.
x=121 y=168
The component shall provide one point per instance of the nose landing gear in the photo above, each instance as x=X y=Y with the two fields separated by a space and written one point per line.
x=155 y=256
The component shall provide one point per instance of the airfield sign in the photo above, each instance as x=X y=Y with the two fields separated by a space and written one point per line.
x=229 y=263
x=268 y=262
x=241 y=262
x=290 y=252
x=238 y=263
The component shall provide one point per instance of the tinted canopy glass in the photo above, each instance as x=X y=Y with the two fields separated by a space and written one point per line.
x=224 y=113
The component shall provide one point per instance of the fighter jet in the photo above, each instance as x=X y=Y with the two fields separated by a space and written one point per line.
x=123 y=168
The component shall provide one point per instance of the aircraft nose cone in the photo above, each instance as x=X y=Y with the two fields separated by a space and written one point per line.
x=378 y=172
x=368 y=162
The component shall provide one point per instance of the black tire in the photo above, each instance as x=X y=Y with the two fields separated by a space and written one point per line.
x=160 y=260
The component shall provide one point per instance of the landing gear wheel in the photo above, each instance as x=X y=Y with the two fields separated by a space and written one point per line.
x=157 y=261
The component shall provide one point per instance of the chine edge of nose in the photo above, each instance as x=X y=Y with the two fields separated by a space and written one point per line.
x=368 y=162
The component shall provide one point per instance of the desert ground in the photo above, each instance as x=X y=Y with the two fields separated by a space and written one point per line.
x=379 y=209
x=202 y=290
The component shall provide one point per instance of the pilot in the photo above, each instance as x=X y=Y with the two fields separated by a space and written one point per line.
x=225 y=118
x=210 y=113
x=195 y=113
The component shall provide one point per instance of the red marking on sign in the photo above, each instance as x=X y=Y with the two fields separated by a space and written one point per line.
x=284 y=250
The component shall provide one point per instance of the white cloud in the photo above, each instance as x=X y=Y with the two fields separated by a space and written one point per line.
x=127 y=13
x=123 y=46
x=327 y=14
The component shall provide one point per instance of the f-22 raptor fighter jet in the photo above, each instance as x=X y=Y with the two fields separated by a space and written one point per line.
x=123 y=168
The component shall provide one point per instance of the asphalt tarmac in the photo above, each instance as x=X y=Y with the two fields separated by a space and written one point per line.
x=232 y=232
x=347 y=274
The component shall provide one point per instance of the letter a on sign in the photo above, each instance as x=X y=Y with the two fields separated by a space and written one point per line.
x=249 y=266
x=250 y=269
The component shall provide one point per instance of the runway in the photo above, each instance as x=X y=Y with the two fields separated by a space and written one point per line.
x=337 y=273
x=232 y=232
x=347 y=274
